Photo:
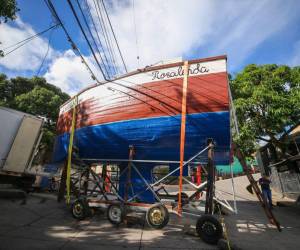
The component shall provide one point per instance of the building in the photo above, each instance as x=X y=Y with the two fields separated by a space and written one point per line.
x=283 y=167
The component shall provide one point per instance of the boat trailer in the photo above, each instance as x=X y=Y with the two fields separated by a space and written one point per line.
x=93 y=190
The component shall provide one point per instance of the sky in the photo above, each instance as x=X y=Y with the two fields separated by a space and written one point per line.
x=247 y=31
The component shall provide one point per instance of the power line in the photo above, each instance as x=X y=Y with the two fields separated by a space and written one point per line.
x=27 y=40
x=99 y=40
x=82 y=30
x=114 y=36
x=74 y=47
x=90 y=32
x=49 y=41
x=109 y=49
x=105 y=32
x=32 y=37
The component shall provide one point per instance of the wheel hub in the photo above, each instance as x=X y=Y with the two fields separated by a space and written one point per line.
x=78 y=209
x=209 y=228
x=156 y=216
x=115 y=214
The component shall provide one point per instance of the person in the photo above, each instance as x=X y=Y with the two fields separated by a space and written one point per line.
x=264 y=183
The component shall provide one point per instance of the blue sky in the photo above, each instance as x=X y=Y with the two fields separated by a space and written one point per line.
x=254 y=31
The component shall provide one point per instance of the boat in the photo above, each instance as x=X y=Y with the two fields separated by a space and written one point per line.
x=143 y=110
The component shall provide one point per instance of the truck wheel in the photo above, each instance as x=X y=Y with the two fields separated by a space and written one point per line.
x=209 y=229
x=80 y=209
x=157 y=216
x=115 y=214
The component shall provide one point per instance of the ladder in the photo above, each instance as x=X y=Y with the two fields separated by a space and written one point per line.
x=255 y=187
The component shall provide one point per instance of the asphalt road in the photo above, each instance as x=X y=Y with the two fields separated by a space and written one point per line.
x=42 y=223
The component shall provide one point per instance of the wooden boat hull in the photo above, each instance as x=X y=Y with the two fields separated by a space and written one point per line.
x=143 y=109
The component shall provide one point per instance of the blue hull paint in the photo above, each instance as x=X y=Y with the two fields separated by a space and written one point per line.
x=153 y=139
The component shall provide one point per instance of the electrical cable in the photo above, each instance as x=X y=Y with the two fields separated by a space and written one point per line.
x=48 y=47
x=89 y=44
x=25 y=41
x=105 y=32
x=114 y=36
x=73 y=45
x=108 y=34
x=90 y=32
x=99 y=40
x=31 y=37
x=108 y=45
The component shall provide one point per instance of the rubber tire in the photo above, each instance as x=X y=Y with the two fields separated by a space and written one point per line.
x=165 y=213
x=209 y=237
x=84 y=209
x=112 y=220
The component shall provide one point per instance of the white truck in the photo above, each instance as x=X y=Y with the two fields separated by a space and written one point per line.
x=20 y=135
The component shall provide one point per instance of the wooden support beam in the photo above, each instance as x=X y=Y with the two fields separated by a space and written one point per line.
x=128 y=182
x=182 y=131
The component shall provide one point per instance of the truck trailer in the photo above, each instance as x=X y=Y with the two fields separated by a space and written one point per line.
x=20 y=135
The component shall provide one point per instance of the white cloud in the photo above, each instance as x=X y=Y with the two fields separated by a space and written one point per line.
x=69 y=73
x=249 y=24
x=27 y=57
x=171 y=28
x=165 y=30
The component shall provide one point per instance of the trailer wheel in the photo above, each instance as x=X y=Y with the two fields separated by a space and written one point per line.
x=157 y=216
x=209 y=229
x=115 y=214
x=80 y=209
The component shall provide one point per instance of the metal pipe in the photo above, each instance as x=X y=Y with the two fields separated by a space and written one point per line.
x=142 y=161
x=148 y=185
x=233 y=189
x=193 y=185
x=195 y=156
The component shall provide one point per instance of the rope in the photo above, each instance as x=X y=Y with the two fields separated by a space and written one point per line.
x=224 y=228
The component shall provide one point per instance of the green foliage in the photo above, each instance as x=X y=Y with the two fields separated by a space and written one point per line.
x=8 y=10
x=267 y=100
x=34 y=96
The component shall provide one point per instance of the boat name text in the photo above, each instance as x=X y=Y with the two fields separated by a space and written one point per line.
x=180 y=72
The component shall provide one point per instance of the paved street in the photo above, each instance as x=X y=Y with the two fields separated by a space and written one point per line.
x=45 y=224
x=42 y=223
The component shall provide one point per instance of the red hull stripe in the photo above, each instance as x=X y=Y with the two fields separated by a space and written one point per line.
x=206 y=93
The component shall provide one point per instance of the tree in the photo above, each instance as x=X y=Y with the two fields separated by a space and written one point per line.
x=8 y=10
x=34 y=96
x=267 y=102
